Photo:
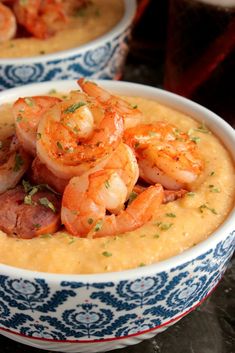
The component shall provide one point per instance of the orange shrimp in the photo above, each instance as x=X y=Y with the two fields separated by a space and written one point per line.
x=131 y=114
x=165 y=155
x=7 y=23
x=84 y=209
x=71 y=143
x=39 y=17
x=27 y=112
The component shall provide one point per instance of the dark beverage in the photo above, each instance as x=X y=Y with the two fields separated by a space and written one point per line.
x=200 y=58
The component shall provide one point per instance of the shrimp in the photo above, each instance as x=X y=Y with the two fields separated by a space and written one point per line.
x=131 y=114
x=165 y=155
x=71 y=142
x=84 y=209
x=40 y=18
x=123 y=163
x=7 y=23
x=14 y=162
x=27 y=113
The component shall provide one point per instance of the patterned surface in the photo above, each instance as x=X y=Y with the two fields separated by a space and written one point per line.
x=77 y=311
x=104 y=61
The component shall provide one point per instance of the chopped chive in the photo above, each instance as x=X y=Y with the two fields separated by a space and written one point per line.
x=142 y=264
x=19 y=118
x=72 y=108
x=107 y=254
x=191 y=194
x=204 y=206
x=156 y=236
x=98 y=225
x=72 y=240
x=163 y=226
x=107 y=184
x=202 y=128
x=172 y=215
x=39 y=135
x=195 y=139
x=137 y=145
x=37 y=226
x=28 y=200
x=90 y=221
x=45 y=202
x=59 y=145
x=212 y=173
x=26 y=185
x=19 y=162
x=46 y=236
x=132 y=197
x=29 y=102
x=135 y=106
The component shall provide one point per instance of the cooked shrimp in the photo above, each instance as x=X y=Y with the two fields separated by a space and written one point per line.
x=121 y=163
x=7 y=23
x=124 y=162
x=14 y=162
x=27 y=113
x=165 y=154
x=131 y=114
x=39 y=17
x=84 y=209
x=70 y=144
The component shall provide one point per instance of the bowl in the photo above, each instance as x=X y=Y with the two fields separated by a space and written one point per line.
x=101 y=312
x=100 y=58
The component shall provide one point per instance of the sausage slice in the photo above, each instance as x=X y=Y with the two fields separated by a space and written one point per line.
x=40 y=216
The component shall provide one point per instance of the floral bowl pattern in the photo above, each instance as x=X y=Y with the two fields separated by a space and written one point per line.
x=97 y=313
x=101 y=58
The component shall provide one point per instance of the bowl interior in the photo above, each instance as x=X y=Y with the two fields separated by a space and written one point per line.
x=217 y=125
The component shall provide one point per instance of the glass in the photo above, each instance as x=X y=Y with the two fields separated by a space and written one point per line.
x=200 y=54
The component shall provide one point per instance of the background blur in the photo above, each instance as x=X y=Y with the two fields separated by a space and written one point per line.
x=188 y=47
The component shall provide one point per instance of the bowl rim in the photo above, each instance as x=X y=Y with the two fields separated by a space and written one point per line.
x=129 y=13
x=219 y=126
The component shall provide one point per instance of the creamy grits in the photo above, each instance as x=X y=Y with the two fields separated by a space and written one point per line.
x=175 y=227
x=89 y=23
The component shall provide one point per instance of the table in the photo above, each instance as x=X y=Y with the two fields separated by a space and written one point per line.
x=210 y=328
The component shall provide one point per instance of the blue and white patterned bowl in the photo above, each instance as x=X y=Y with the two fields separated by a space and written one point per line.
x=96 y=313
x=101 y=58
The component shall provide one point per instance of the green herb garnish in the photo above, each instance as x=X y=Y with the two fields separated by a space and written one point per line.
x=107 y=254
x=59 y=145
x=107 y=184
x=45 y=202
x=29 y=102
x=191 y=194
x=202 y=128
x=72 y=108
x=195 y=139
x=98 y=225
x=172 y=215
x=19 y=162
x=204 y=206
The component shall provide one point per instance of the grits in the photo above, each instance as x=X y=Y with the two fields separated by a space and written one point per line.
x=174 y=228
x=88 y=25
